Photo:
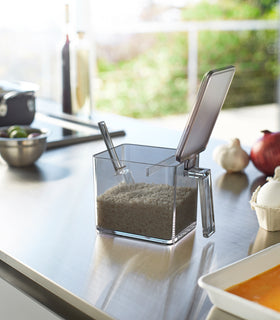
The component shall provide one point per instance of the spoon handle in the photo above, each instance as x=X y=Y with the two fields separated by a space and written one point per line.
x=110 y=147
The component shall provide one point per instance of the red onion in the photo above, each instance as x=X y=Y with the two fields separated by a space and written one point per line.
x=265 y=153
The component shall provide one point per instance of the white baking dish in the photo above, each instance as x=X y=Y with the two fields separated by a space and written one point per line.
x=216 y=283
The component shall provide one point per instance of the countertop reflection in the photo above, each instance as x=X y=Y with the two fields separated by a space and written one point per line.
x=217 y=314
x=126 y=272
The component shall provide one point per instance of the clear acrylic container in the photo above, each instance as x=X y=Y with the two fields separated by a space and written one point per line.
x=160 y=204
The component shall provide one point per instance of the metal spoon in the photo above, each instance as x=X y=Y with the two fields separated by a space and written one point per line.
x=122 y=170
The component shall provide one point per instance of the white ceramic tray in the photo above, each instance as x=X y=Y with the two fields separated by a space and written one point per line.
x=215 y=284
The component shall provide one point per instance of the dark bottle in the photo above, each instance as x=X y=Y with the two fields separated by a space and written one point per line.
x=66 y=82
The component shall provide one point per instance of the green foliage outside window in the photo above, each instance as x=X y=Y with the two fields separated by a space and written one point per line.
x=154 y=82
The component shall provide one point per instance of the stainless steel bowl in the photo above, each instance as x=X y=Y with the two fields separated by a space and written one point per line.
x=21 y=152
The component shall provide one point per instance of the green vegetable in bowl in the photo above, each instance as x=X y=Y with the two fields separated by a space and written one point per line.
x=18 y=133
x=12 y=128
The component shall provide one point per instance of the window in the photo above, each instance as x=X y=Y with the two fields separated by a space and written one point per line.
x=149 y=55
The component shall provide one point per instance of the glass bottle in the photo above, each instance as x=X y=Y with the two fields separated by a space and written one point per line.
x=80 y=76
x=66 y=82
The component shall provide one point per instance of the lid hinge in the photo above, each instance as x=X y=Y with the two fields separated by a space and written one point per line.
x=193 y=161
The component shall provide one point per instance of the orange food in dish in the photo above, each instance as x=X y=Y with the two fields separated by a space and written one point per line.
x=264 y=288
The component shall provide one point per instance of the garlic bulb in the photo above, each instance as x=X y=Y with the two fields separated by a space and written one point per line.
x=269 y=193
x=231 y=156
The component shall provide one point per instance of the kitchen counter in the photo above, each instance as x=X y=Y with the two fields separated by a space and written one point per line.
x=51 y=250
